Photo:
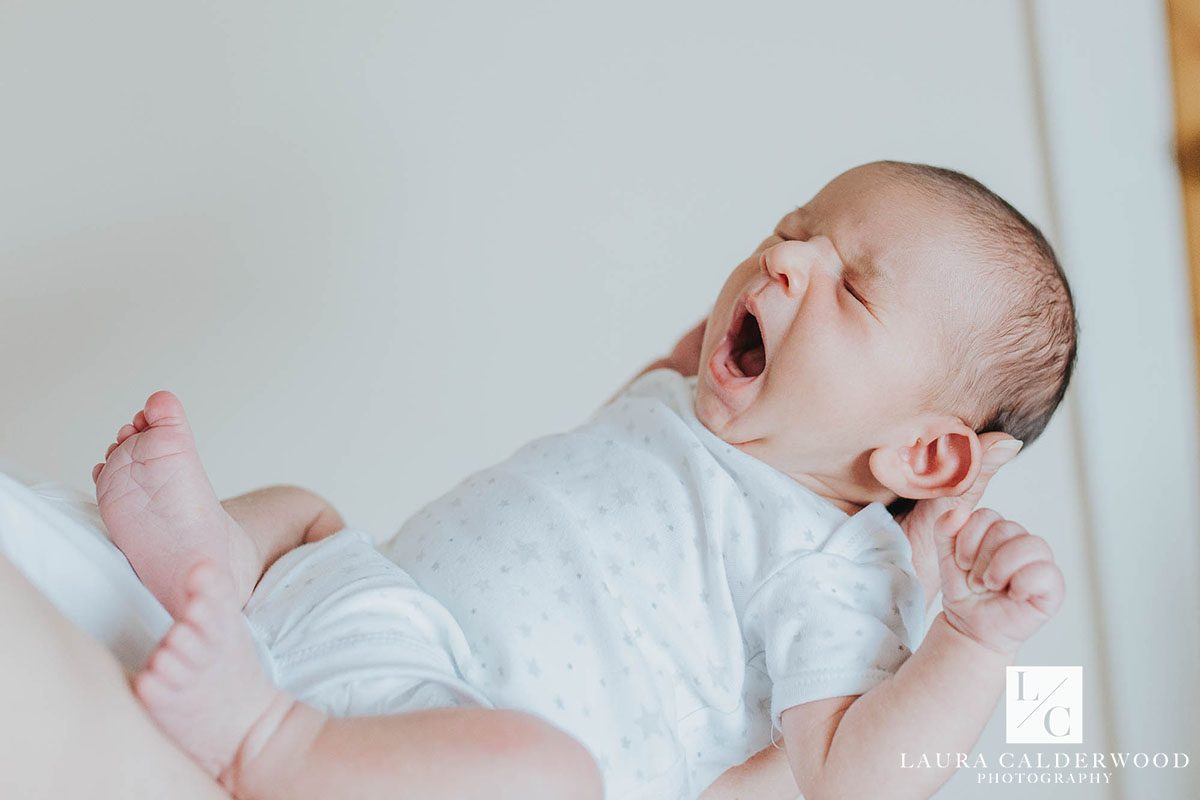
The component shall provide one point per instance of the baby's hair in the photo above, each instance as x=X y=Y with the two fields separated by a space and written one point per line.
x=1011 y=372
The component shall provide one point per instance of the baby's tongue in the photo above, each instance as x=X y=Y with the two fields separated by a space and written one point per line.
x=752 y=362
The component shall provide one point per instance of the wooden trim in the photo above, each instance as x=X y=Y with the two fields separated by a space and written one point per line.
x=1183 y=23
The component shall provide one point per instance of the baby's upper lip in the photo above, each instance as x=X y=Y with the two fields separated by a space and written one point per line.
x=752 y=303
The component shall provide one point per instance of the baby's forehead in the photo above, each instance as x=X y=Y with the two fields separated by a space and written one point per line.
x=887 y=221
x=865 y=196
x=916 y=260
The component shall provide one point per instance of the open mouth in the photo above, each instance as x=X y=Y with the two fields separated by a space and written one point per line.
x=747 y=354
x=742 y=356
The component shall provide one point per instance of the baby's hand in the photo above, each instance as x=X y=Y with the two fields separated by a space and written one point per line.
x=921 y=523
x=999 y=582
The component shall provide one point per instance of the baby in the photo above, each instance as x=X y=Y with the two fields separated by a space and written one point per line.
x=711 y=557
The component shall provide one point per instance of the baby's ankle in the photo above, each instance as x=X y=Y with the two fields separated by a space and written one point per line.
x=246 y=562
x=274 y=745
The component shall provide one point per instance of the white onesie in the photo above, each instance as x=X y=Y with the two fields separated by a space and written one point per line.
x=655 y=592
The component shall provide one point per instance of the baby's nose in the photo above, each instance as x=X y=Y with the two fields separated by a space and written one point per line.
x=793 y=262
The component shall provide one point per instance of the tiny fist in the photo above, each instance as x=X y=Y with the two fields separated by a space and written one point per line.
x=948 y=523
x=1042 y=584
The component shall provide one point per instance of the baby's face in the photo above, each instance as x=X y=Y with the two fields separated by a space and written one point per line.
x=820 y=342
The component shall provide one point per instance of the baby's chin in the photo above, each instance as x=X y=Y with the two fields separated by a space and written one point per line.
x=714 y=414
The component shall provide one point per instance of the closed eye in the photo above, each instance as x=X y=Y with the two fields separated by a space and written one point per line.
x=862 y=300
x=849 y=288
x=852 y=291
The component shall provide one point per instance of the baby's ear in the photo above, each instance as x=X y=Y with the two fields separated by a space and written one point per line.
x=941 y=458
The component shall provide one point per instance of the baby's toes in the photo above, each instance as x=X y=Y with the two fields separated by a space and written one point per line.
x=208 y=611
x=200 y=582
x=151 y=689
x=96 y=470
x=108 y=453
x=139 y=421
x=203 y=615
x=125 y=432
x=170 y=668
x=205 y=582
x=157 y=694
x=163 y=408
x=186 y=642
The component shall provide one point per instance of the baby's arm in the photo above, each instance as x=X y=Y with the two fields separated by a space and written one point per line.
x=999 y=585
x=280 y=518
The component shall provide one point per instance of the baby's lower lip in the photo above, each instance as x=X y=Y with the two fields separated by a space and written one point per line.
x=735 y=392
x=720 y=364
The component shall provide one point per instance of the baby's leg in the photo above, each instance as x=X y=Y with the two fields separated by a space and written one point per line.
x=160 y=508
x=281 y=518
x=206 y=689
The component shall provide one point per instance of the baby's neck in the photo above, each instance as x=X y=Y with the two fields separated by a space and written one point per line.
x=850 y=506
x=845 y=481
x=851 y=492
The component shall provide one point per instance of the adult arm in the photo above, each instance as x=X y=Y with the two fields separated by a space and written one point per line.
x=71 y=727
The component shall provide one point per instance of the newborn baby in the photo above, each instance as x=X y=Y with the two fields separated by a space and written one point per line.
x=707 y=560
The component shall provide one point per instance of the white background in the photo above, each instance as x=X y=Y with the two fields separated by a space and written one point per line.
x=374 y=246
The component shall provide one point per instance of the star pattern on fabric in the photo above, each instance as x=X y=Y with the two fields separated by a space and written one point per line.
x=594 y=556
x=527 y=552
x=624 y=496
x=649 y=723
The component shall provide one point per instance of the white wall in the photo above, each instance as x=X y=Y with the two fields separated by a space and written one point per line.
x=1112 y=171
x=374 y=245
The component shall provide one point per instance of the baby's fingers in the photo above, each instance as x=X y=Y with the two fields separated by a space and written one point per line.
x=996 y=535
x=966 y=543
x=1041 y=584
x=1013 y=554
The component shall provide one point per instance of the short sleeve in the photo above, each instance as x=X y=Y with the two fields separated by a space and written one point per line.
x=840 y=619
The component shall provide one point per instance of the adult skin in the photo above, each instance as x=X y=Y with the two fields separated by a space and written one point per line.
x=71 y=727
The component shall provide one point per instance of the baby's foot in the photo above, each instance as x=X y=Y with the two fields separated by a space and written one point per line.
x=161 y=510
x=204 y=685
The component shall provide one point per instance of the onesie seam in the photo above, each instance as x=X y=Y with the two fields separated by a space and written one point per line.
x=318 y=649
x=811 y=676
x=741 y=706
x=807 y=678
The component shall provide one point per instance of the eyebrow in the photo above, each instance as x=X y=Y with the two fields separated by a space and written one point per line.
x=867 y=269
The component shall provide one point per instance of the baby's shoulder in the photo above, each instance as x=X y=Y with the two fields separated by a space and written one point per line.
x=666 y=386
x=869 y=536
x=872 y=535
